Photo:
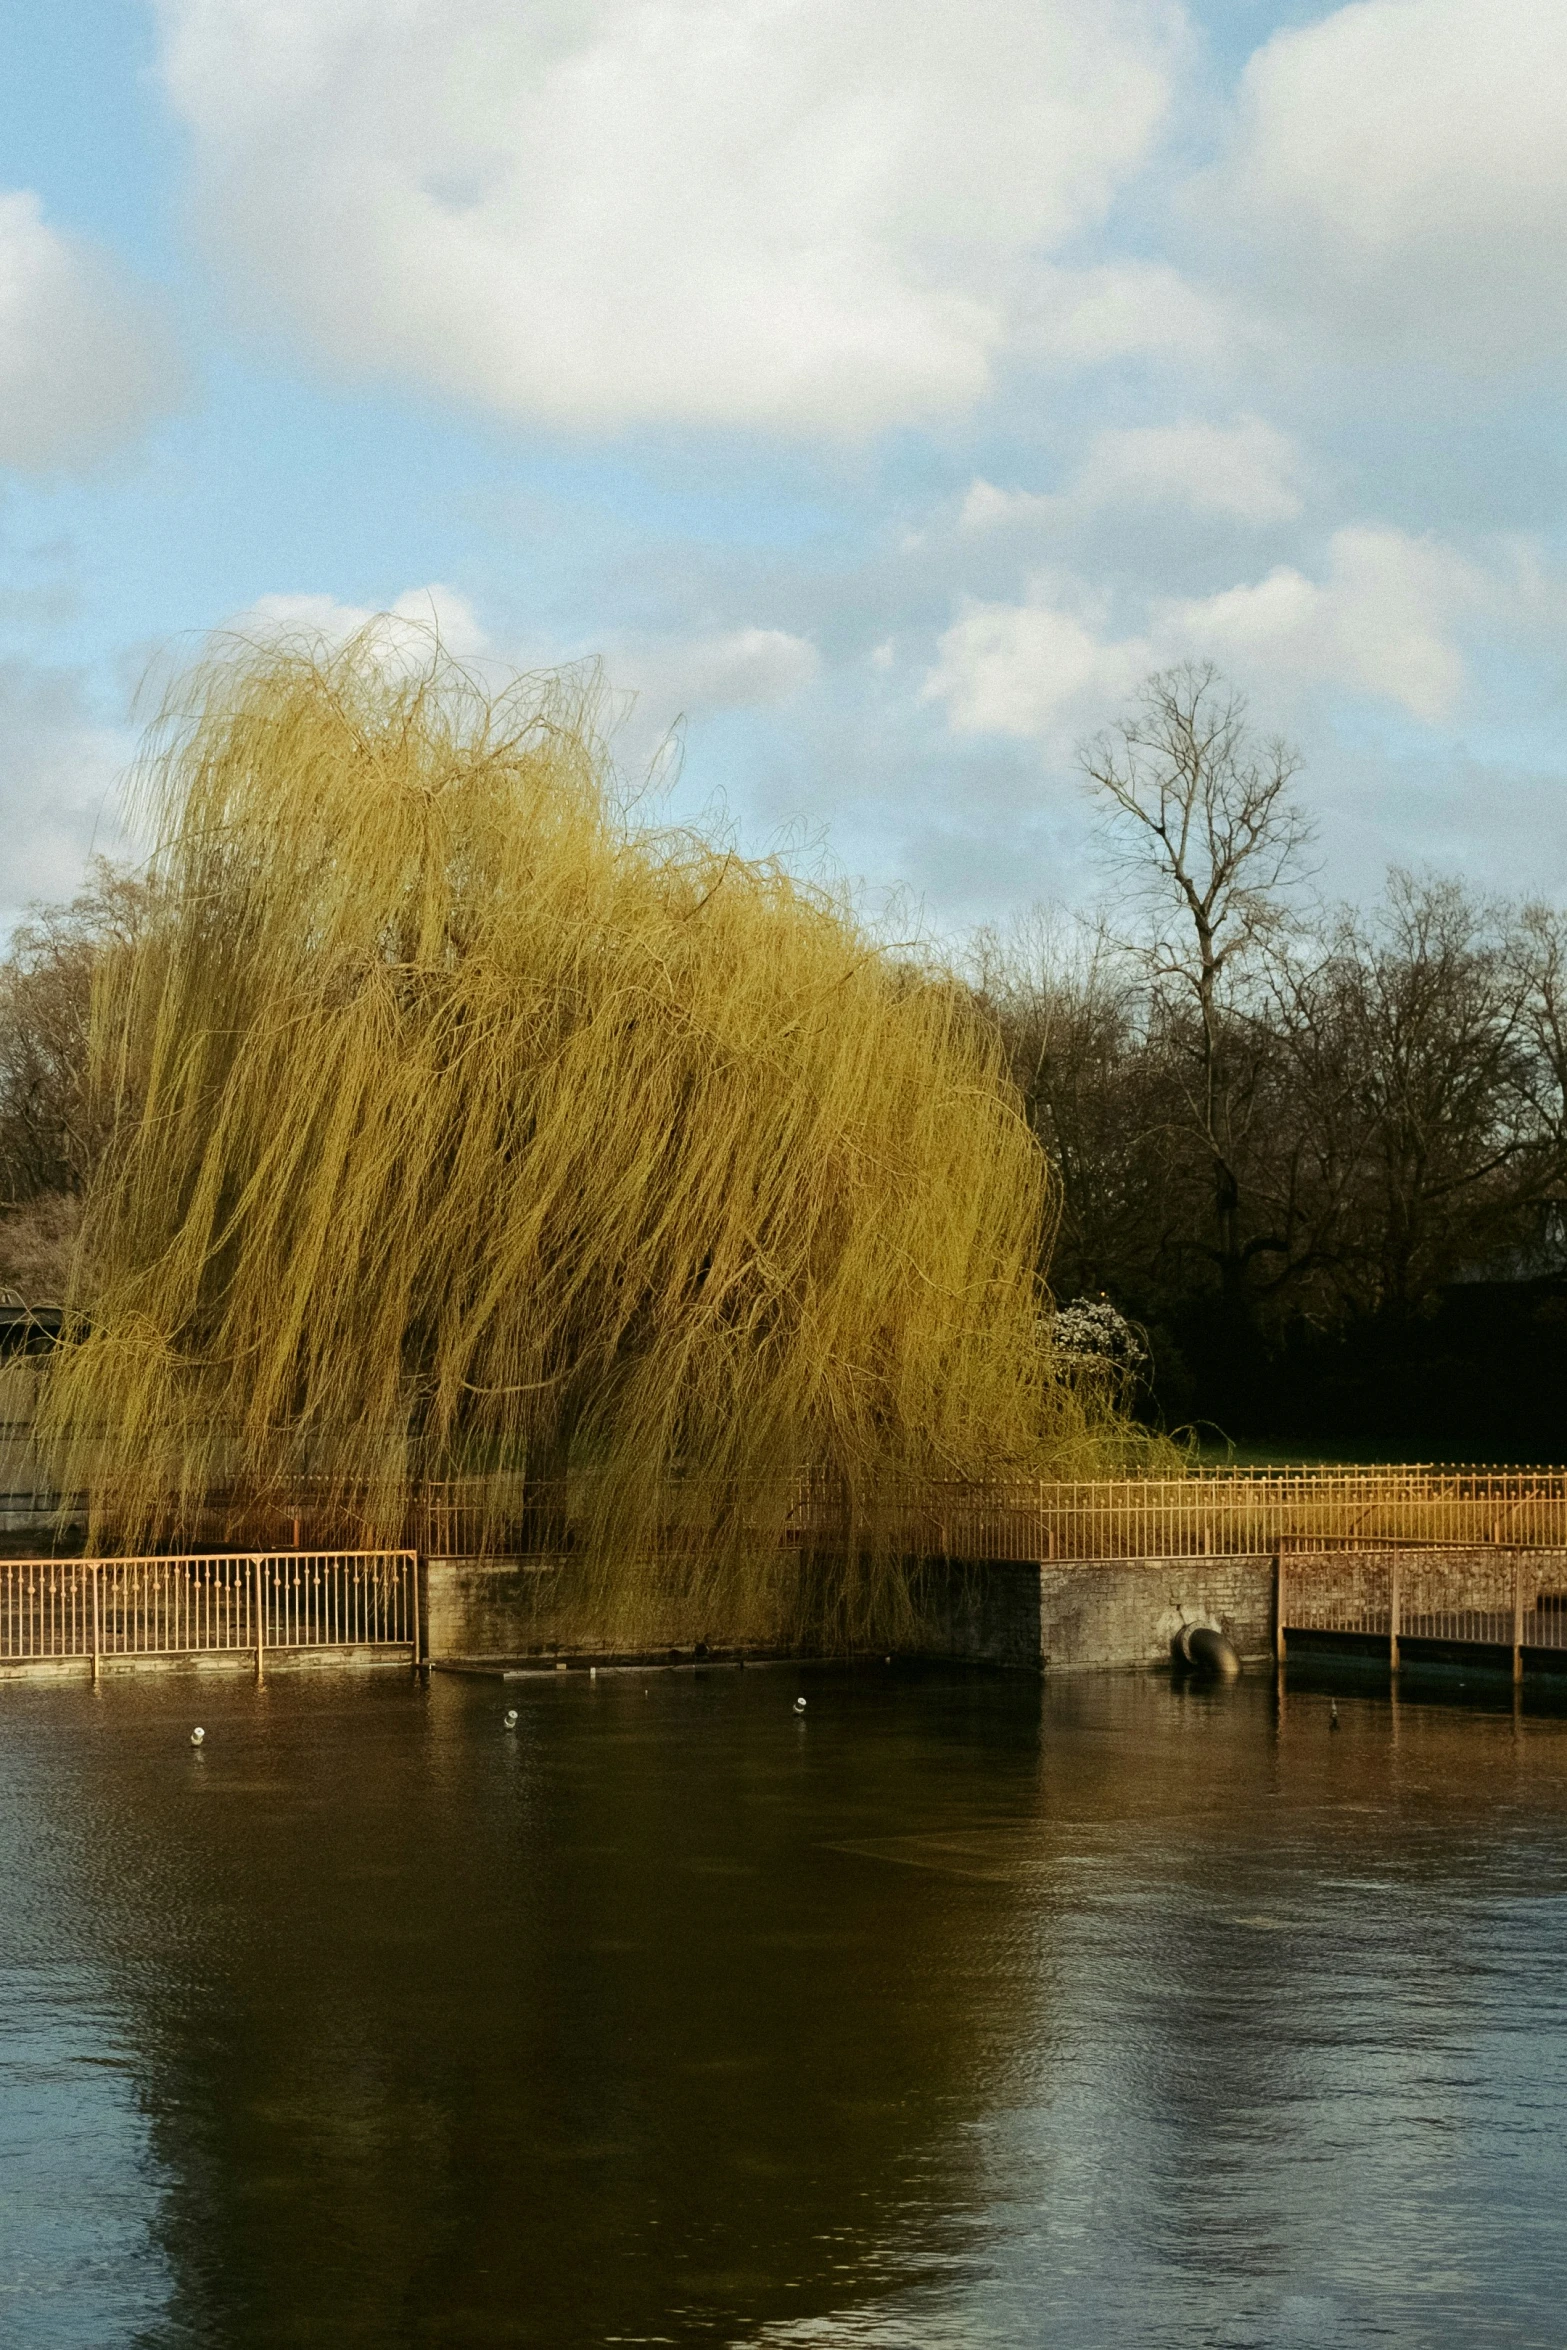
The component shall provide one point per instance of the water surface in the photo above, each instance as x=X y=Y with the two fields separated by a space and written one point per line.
x=957 y=2011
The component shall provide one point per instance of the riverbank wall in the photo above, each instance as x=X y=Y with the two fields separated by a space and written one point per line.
x=1025 y=1615
x=1491 y=1604
x=1122 y=1614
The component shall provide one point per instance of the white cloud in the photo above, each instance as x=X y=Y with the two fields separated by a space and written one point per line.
x=1403 y=165
x=987 y=508
x=1023 y=669
x=1122 y=309
x=1247 y=472
x=85 y=362
x=742 y=668
x=1386 y=619
x=322 y=616
x=1382 y=621
x=774 y=213
x=59 y=767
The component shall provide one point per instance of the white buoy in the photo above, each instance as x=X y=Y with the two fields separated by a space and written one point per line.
x=511 y=1717
x=197 y=1736
x=799 y=1705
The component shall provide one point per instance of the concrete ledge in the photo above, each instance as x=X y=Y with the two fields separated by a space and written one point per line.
x=207 y=1660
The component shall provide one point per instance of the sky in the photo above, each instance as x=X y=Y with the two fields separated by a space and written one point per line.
x=879 y=391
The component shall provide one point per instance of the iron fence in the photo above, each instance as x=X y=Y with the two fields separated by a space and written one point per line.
x=1469 y=1595
x=1231 y=1511
x=97 y=1610
x=1227 y=1510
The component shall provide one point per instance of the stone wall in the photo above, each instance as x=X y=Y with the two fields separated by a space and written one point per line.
x=28 y=1502
x=482 y=1609
x=987 y=1613
x=1104 y=1614
x=1123 y=1613
x=1101 y=1614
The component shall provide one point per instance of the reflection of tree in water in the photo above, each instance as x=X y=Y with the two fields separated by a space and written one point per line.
x=592 y=2030
x=676 y=2018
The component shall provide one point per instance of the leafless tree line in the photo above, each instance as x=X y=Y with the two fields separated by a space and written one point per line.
x=1274 y=1120
x=53 y=1123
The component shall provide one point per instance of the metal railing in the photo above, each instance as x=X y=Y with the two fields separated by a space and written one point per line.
x=28 y=1501
x=1220 y=1512
x=467 y=1516
x=1225 y=1510
x=100 y=1610
x=1233 y=1511
x=1469 y=1595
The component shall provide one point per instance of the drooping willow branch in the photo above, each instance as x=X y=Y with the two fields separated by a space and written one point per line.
x=467 y=1125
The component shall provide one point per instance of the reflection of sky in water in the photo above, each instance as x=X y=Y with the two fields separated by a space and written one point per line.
x=1313 y=2099
x=80 y=2191
x=78 y=2194
x=964 y=2014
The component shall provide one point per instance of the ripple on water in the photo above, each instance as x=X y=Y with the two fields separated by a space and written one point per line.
x=987 y=2014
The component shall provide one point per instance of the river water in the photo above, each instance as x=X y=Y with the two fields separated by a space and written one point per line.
x=954 y=2011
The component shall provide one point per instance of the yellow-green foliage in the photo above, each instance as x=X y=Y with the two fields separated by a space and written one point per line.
x=477 y=1125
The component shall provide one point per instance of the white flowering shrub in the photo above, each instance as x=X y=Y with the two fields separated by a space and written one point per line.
x=1089 y=1331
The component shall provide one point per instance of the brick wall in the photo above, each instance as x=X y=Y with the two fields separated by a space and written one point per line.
x=1065 y=1616
x=495 y=1610
x=1101 y=1614
x=985 y=1614
x=485 y=1608
x=1124 y=1612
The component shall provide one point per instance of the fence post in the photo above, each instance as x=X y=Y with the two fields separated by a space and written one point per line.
x=1517 y=1615
x=1392 y=1614
x=259 y=1609
x=97 y=1571
x=413 y=1580
x=1278 y=1603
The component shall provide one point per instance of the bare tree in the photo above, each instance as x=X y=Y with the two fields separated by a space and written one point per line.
x=1319 y=1153
x=1538 y=946
x=1202 y=810
x=52 y=1129
x=1071 y=1014
x=1432 y=1010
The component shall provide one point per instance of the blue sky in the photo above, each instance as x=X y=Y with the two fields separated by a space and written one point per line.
x=881 y=392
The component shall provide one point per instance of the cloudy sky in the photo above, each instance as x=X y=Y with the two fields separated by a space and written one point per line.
x=881 y=389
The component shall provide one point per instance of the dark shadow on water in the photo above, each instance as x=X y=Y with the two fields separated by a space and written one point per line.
x=449 y=2033
x=957 y=2010
x=1481 y=1682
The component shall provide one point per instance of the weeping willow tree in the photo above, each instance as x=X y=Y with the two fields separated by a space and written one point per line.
x=469 y=1127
